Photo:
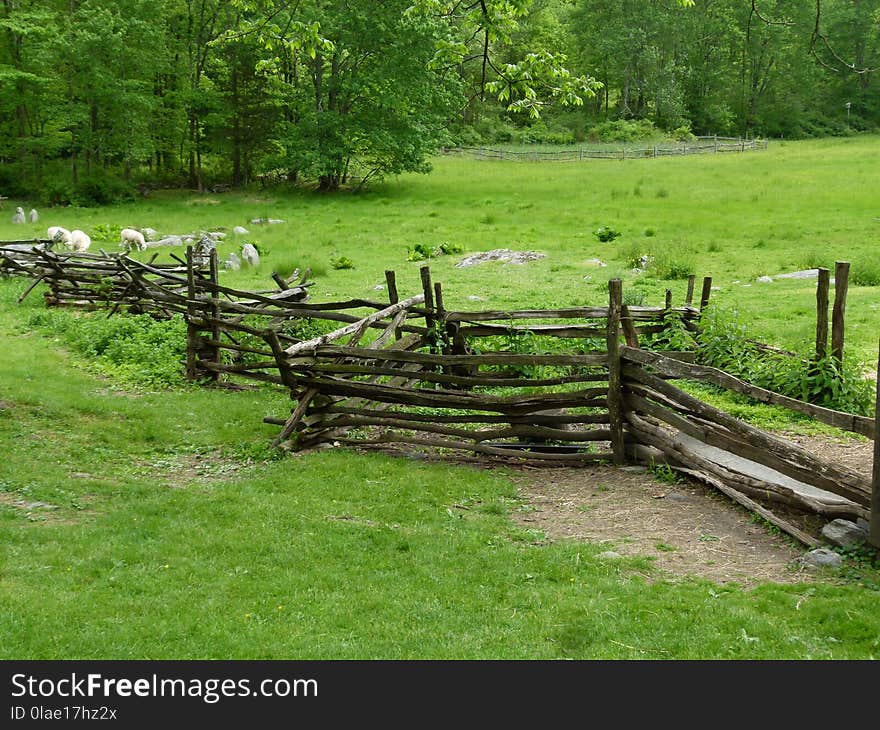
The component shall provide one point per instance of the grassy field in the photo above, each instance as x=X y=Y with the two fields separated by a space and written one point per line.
x=142 y=523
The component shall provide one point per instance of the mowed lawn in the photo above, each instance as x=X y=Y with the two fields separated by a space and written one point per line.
x=156 y=524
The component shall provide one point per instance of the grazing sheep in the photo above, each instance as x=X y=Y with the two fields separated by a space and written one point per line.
x=79 y=241
x=132 y=239
x=57 y=234
x=18 y=216
x=34 y=216
x=250 y=255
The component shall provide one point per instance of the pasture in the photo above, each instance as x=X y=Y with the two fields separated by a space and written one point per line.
x=142 y=522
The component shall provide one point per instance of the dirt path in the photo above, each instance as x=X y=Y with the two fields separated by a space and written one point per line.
x=689 y=529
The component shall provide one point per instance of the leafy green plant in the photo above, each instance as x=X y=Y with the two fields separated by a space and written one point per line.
x=341 y=262
x=664 y=473
x=606 y=234
x=422 y=251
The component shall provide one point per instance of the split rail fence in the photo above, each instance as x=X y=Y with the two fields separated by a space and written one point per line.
x=543 y=386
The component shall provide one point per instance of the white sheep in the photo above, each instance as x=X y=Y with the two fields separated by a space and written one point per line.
x=250 y=255
x=132 y=239
x=79 y=241
x=18 y=216
x=57 y=234
x=34 y=216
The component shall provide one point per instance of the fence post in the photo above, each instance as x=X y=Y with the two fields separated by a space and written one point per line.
x=707 y=292
x=689 y=297
x=822 y=313
x=192 y=333
x=615 y=385
x=716 y=143
x=214 y=311
x=838 y=315
x=428 y=291
x=874 y=523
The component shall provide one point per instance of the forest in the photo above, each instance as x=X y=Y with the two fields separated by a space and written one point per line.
x=101 y=101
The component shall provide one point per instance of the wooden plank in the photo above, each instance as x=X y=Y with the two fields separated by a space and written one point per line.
x=838 y=315
x=846 y=482
x=629 y=330
x=822 y=289
x=537 y=419
x=615 y=383
x=638 y=313
x=689 y=297
x=677 y=369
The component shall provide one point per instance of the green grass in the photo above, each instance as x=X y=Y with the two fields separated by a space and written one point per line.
x=177 y=534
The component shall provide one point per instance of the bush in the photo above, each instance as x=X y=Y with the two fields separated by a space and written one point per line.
x=136 y=349
x=865 y=272
x=623 y=130
x=606 y=234
x=101 y=190
x=341 y=262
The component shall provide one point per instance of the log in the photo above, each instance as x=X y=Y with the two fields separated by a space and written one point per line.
x=389 y=311
x=822 y=289
x=838 y=315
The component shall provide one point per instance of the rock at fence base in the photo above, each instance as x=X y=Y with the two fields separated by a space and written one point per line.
x=821 y=558
x=500 y=254
x=844 y=533
x=863 y=524
x=634 y=469
x=240 y=231
x=765 y=279
x=609 y=555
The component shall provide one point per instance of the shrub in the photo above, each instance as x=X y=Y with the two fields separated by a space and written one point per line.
x=341 y=262
x=865 y=272
x=623 y=130
x=606 y=233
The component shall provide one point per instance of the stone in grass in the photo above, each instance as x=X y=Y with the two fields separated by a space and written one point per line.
x=240 y=231
x=609 y=555
x=844 y=533
x=765 y=279
x=821 y=558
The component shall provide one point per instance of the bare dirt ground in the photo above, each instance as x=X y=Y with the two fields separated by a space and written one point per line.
x=686 y=527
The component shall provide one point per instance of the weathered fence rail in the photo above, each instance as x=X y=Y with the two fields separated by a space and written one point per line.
x=699 y=146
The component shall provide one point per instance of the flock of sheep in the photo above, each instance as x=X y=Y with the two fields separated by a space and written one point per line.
x=130 y=239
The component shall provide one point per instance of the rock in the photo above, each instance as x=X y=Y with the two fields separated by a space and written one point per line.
x=167 y=241
x=475 y=298
x=232 y=262
x=500 y=254
x=271 y=221
x=861 y=521
x=634 y=469
x=609 y=555
x=18 y=216
x=821 y=558
x=844 y=533
x=240 y=231
x=150 y=234
x=379 y=287
x=678 y=497
x=33 y=215
x=595 y=262
x=250 y=255
x=765 y=279
x=216 y=235
x=805 y=274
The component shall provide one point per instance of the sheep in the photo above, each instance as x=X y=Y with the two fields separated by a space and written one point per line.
x=18 y=216
x=57 y=234
x=250 y=255
x=33 y=215
x=132 y=239
x=79 y=241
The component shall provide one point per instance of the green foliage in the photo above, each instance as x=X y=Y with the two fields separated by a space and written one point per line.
x=724 y=344
x=341 y=262
x=135 y=349
x=664 y=473
x=423 y=251
x=606 y=233
x=865 y=271
x=622 y=130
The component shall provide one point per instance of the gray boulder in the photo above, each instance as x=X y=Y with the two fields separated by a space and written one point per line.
x=18 y=216
x=240 y=231
x=844 y=533
x=232 y=263
x=250 y=255
x=821 y=558
x=150 y=233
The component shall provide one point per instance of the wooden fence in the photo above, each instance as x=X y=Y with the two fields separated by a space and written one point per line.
x=698 y=146
x=546 y=386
